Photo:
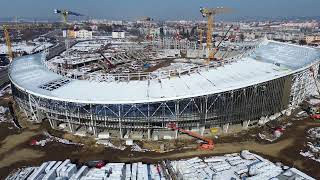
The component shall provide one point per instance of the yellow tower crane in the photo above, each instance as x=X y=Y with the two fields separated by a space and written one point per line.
x=65 y=14
x=210 y=13
x=8 y=42
x=8 y=27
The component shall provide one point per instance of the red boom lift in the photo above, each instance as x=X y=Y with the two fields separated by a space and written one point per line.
x=208 y=145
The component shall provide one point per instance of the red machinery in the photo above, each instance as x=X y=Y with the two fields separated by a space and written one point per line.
x=315 y=116
x=208 y=145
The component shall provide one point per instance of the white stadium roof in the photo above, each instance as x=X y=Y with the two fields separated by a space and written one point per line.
x=29 y=74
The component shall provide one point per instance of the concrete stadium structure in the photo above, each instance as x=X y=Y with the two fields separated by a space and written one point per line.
x=273 y=78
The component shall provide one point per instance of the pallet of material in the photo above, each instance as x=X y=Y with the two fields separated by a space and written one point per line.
x=37 y=173
x=81 y=172
x=214 y=159
x=51 y=175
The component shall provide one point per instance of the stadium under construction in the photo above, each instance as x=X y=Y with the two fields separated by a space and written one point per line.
x=257 y=84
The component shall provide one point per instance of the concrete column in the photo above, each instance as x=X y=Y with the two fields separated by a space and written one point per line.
x=40 y=116
x=245 y=124
x=202 y=128
x=149 y=134
x=53 y=123
x=120 y=125
x=92 y=124
x=176 y=134
x=225 y=128
x=69 y=123
x=94 y=129
x=32 y=112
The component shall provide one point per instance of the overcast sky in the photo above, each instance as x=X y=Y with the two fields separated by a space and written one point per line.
x=158 y=9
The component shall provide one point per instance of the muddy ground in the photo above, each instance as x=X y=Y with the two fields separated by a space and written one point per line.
x=16 y=150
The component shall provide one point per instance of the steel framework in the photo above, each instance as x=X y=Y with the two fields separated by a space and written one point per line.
x=204 y=112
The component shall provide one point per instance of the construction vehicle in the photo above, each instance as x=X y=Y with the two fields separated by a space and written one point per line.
x=208 y=145
x=315 y=116
x=210 y=13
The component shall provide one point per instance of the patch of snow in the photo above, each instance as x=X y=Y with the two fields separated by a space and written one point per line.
x=314 y=102
x=51 y=138
x=313 y=146
x=3 y=112
x=137 y=148
x=107 y=143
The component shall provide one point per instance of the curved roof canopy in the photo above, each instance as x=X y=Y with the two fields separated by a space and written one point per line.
x=271 y=60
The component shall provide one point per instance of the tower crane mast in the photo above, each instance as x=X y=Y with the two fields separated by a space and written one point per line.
x=65 y=14
x=210 y=14
x=8 y=42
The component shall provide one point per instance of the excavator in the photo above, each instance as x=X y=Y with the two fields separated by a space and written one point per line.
x=208 y=145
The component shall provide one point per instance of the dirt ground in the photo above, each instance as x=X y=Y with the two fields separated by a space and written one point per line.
x=16 y=152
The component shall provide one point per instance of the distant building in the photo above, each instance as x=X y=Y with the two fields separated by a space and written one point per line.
x=84 y=34
x=118 y=35
x=71 y=33
x=94 y=27
x=313 y=39
x=78 y=33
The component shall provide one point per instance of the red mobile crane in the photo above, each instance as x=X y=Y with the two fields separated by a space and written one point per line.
x=208 y=145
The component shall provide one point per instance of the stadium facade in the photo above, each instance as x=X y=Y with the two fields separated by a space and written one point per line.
x=276 y=77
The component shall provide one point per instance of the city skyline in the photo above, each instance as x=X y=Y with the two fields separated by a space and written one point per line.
x=160 y=10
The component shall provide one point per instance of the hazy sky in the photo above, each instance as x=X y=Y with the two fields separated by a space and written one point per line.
x=158 y=9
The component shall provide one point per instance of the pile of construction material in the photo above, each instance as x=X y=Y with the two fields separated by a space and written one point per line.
x=21 y=173
x=301 y=115
x=66 y=170
x=313 y=146
x=109 y=144
x=135 y=147
x=244 y=165
x=50 y=138
x=129 y=144
x=272 y=131
x=3 y=114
